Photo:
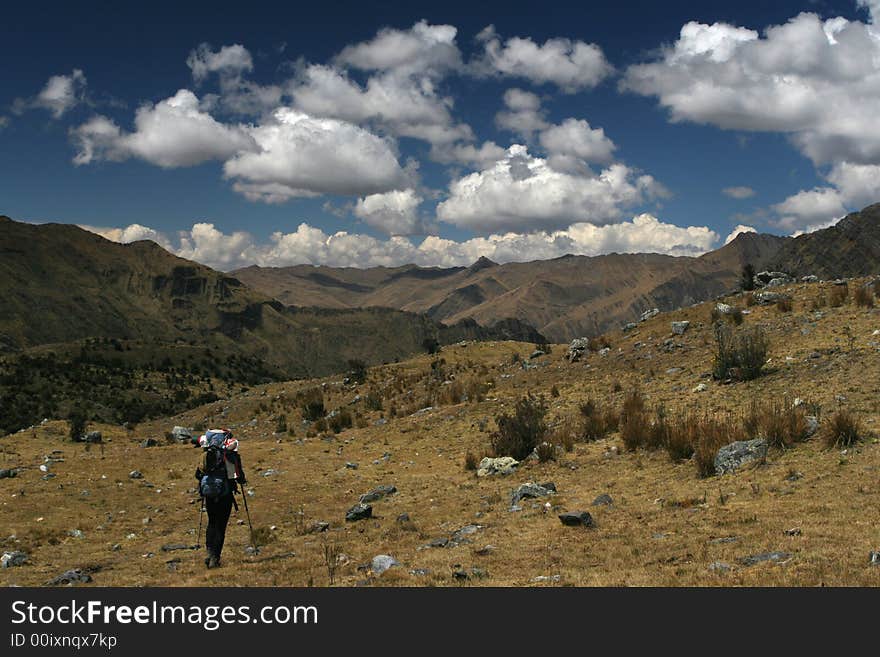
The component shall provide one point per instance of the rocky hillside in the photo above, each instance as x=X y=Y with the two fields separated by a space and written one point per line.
x=86 y=312
x=849 y=248
x=563 y=298
x=796 y=509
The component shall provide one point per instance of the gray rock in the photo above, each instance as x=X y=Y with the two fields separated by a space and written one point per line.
x=93 y=437
x=629 y=326
x=319 y=527
x=182 y=434
x=719 y=567
x=577 y=349
x=441 y=542
x=8 y=474
x=775 y=557
x=173 y=547
x=577 y=519
x=546 y=578
x=351 y=466
x=648 y=314
x=812 y=424
x=810 y=278
x=382 y=562
x=149 y=442
x=874 y=558
x=777 y=282
x=503 y=465
x=359 y=512
x=724 y=309
x=74 y=576
x=735 y=455
x=678 y=328
x=603 y=500
x=11 y=559
x=532 y=490
x=403 y=518
x=420 y=572
x=460 y=535
x=135 y=474
x=378 y=493
x=537 y=353
x=766 y=298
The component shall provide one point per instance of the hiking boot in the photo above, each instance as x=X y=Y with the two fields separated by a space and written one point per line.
x=213 y=562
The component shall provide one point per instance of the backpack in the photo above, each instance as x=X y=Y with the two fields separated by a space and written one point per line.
x=214 y=482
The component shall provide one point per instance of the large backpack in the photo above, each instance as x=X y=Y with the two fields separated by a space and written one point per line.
x=214 y=482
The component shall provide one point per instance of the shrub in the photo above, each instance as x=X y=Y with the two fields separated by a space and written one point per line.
x=657 y=436
x=281 y=424
x=820 y=301
x=747 y=278
x=839 y=295
x=784 y=305
x=711 y=434
x=598 y=343
x=681 y=436
x=779 y=423
x=546 y=452
x=739 y=354
x=595 y=423
x=471 y=460
x=634 y=420
x=357 y=370
x=843 y=429
x=734 y=316
x=864 y=296
x=750 y=300
x=431 y=345
x=312 y=404
x=554 y=391
x=565 y=434
x=519 y=433
x=341 y=421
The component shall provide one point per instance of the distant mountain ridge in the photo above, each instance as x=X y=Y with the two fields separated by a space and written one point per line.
x=562 y=298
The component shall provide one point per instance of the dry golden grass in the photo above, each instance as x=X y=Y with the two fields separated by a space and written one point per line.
x=661 y=530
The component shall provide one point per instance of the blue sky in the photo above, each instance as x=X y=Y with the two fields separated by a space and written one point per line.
x=438 y=132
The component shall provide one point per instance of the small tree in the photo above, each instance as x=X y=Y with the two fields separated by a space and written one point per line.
x=357 y=370
x=747 y=278
x=76 y=422
x=518 y=434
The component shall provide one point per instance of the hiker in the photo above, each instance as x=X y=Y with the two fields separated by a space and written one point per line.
x=219 y=473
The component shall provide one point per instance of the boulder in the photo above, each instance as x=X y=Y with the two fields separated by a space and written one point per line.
x=577 y=349
x=577 y=519
x=135 y=474
x=8 y=474
x=537 y=353
x=700 y=387
x=532 y=490
x=766 y=297
x=378 y=493
x=724 y=308
x=74 y=576
x=777 y=282
x=93 y=437
x=182 y=434
x=812 y=424
x=558 y=452
x=149 y=442
x=629 y=326
x=742 y=452
x=765 y=277
x=382 y=562
x=359 y=512
x=648 y=314
x=678 y=328
x=810 y=278
x=11 y=559
x=603 y=500
x=775 y=557
x=503 y=465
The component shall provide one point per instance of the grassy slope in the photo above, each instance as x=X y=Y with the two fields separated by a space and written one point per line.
x=659 y=532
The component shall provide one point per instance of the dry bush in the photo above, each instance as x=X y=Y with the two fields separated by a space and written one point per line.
x=566 y=433
x=740 y=354
x=311 y=403
x=784 y=305
x=658 y=432
x=523 y=430
x=843 y=429
x=595 y=423
x=749 y=299
x=712 y=434
x=779 y=423
x=735 y=316
x=839 y=295
x=635 y=421
x=864 y=296
x=471 y=460
x=681 y=436
x=820 y=301
x=546 y=452
x=598 y=343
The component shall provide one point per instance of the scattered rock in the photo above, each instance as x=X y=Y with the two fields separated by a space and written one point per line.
x=648 y=314
x=678 y=328
x=775 y=557
x=172 y=547
x=359 y=512
x=135 y=474
x=485 y=550
x=874 y=558
x=558 y=451
x=319 y=527
x=700 y=387
x=629 y=326
x=537 y=353
x=14 y=558
x=719 y=567
x=724 y=309
x=378 y=493
x=603 y=500
x=766 y=298
x=503 y=465
x=149 y=442
x=93 y=437
x=351 y=466
x=420 y=572
x=812 y=424
x=270 y=473
x=382 y=562
x=441 y=542
x=76 y=533
x=734 y=456
x=403 y=518
x=794 y=531
x=577 y=519
x=74 y=576
x=577 y=349
x=532 y=490
x=546 y=578
x=8 y=474
x=810 y=278
x=182 y=434
x=459 y=535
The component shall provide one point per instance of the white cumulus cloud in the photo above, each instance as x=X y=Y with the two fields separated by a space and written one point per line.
x=739 y=193
x=60 y=94
x=394 y=213
x=739 y=230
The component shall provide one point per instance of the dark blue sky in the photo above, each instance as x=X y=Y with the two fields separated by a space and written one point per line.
x=136 y=53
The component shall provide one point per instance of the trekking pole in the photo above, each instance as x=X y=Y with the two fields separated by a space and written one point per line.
x=250 y=524
x=201 y=511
